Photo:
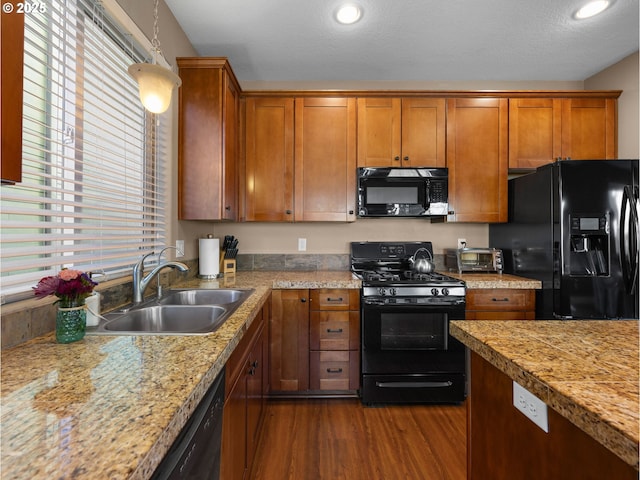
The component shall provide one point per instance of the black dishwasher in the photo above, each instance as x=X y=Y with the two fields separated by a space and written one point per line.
x=196 y=452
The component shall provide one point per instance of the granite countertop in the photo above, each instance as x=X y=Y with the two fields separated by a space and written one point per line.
x=495 y=280
x=111 y=406
x=587 y=371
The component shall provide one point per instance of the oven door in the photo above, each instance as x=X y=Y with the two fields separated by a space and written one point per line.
x=410 y=339
x=408 y=355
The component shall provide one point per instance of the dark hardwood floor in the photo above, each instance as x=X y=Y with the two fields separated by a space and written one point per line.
x=342 y=439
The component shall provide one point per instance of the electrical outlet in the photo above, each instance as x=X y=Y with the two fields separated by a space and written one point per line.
x=532 y=407
x=179 y=248
x=462 y=242
x=302 y=244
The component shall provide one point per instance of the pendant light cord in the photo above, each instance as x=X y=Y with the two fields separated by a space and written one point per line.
x=155 y=43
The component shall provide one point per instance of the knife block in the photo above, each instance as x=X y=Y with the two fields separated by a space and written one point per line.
x=227 y=265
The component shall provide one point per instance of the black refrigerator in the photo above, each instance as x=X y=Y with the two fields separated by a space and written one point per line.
x=573 y=225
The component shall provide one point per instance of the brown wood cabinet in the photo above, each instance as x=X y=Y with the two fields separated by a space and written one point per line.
x=314 y=341
x=11 y=68
x=503 y=444
x=500 y=304
x=544 y=129
x=401 y=132
x=300 y=159
x=325 y=159
x=289 y=341
x=207 y=139
x=334 y=340
x=477 y=158
x=245 y=379
x=268 y=179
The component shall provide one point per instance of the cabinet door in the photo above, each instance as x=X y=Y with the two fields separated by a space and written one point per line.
x=535 y=132
x=269 y=160
x=11 y=67
x=234 y=428
x=423 y=132
x=230 y=158
x=255 y=377
x=207 y=140
x=379 y=132
x=289 y=340
x=325 y=159
x=477 y=158
x=589 y=128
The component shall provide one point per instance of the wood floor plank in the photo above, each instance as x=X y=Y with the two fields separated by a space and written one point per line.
x=342 y=439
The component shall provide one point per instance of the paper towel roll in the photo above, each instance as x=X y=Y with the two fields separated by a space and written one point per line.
x=93 y=309
x=209 y=262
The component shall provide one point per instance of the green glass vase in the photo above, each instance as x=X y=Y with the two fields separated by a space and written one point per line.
x=71 y=324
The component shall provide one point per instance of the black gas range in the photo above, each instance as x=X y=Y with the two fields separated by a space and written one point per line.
x=407 y=354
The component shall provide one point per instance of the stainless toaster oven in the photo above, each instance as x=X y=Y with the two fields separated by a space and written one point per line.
x=474 y=260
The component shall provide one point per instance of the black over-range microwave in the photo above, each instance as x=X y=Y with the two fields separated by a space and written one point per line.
x=403 y=192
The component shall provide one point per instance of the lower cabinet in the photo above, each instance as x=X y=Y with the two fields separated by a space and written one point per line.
x=315 y=342
x=245 y=387
x=503 y=444
x=500 y=304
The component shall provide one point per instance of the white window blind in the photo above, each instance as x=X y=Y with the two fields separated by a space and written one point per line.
x=92 y=195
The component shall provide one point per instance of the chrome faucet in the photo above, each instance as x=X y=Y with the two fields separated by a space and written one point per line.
x=141 y=282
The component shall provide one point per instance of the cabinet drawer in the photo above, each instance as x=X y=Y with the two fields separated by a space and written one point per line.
x=334 y=330
x=500 y=299
x=334 y=370
x=335 y=299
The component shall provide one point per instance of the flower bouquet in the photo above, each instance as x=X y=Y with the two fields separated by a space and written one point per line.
x=71 y=287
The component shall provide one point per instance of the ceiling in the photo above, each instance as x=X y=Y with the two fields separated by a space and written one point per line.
x=410 y=40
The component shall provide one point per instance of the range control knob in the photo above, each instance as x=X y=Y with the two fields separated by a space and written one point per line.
x=445 y=291
x=382 y=291
x=392 y=291
x=434 y=292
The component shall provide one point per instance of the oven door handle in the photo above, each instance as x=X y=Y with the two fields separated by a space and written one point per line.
x=414 y=384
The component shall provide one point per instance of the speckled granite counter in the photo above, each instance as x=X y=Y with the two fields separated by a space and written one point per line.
x=494 y=280
x=585 y=370
x=109 y=407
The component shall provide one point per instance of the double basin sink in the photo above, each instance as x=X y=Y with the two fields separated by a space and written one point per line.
x=178 y=312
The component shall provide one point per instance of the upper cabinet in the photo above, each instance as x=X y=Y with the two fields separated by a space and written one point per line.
x=11 y=67
x=544 y=129
x=401 y=132
x=300 y=160
x=325 y=159
x=207 y=140
x=477 y=158
x=268 y=182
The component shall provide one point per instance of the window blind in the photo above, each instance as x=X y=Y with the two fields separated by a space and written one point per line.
x=92 y=195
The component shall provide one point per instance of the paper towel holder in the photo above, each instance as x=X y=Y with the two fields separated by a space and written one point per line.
x=214 y=274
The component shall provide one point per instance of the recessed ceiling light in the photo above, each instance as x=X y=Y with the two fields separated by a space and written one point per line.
x=348 y=14
x=592 y=8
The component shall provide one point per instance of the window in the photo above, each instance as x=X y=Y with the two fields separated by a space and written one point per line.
x=92 y=195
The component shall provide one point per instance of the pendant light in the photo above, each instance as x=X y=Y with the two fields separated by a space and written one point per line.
x=155 y=82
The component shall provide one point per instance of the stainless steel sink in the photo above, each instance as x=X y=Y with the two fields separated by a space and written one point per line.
x=204 y=297
x=168 y=319
x=179 y=312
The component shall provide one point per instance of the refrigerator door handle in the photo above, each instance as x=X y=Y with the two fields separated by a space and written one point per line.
x=629 y=242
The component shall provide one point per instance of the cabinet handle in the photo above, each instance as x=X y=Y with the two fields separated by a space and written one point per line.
x=329 y=299
x=351 y=212
x=288 y=212
x=255 y=364
x=228 y=208
x=406 y=159
x=334 y=370
x=499 y=299
x=334 y=330
x=397 y=158
x=303 y=300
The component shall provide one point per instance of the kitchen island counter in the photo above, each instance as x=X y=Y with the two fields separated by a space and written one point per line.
x=111 y=406
x=587 y=371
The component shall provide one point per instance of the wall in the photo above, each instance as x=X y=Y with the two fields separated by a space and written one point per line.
x=624 y=76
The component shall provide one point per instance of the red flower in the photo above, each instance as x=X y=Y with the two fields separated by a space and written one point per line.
x=70 y=286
